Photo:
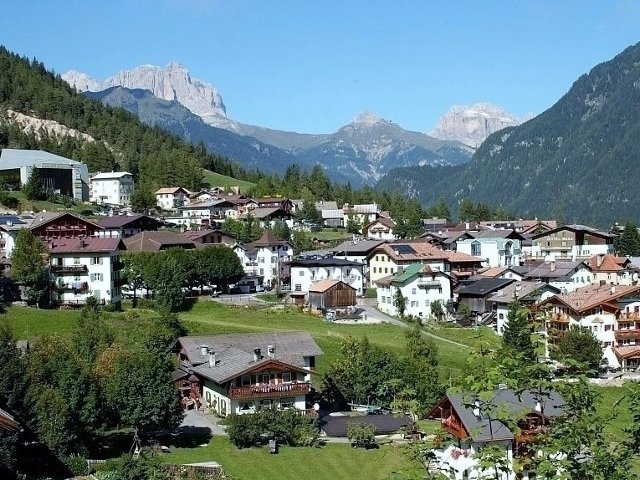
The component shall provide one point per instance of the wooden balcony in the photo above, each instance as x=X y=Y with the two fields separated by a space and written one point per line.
x=69 y=268
x=452 y=425
x=267 y=390
x=627 y=334
x=559 y=318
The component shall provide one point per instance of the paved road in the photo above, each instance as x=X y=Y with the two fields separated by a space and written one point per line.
x=368 y=305
x=194 y=418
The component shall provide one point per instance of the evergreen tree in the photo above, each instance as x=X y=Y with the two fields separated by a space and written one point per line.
x=27 y=265
x=516 y=336
x=466 y=210
x=33 y=189
x=281 y=230
x=400 y=302
x=143 y=199
x=628 y=243
x=579 y=349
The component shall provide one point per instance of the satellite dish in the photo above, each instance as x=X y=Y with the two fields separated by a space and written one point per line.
x=635 y=277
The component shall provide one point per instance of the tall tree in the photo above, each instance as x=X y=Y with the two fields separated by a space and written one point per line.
x=33 y=189
x=517 y=334
x=400 y=302
x=579 y=349
x=27 y=265
x=628 y=243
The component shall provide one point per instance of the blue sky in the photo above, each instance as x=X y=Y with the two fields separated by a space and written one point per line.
x=312 y=66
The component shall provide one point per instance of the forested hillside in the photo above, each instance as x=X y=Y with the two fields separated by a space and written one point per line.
x=153 y=155
x=578 y=161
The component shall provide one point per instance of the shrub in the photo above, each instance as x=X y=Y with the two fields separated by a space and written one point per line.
x=370 y=293
x=76 y=465
x=147 y=304
x=286 y=427
x=361 y=434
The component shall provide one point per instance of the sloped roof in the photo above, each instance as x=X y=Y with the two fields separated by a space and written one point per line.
x=607 y=263
x=575 y=228
x=324 y=285
x=326 y=205
x=360 y=247
x=324 y=262
x=491 y=271
x=484 y=286
x=46 y=217
x=266 y=212
x=195 y=234
x=119 y=221
x=110 y=175
x=268 y=239
x=554 y=269
x=153 y=241
x=84 y=245
x=523 y=289
x=591 y=296
x=497 y=234
x=234 y=353
x=172 y=190
x=386 y=221
x=15 y=158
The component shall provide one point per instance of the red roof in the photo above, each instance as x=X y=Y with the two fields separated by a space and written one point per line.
x=85 y=244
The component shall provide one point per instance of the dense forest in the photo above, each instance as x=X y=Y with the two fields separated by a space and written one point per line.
x=154 y=156
x=579 y=161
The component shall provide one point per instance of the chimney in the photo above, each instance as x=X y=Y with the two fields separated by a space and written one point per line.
x=271 y=351
x=613 y=289
x=400 y=269
x=600 y=259
x=476 y=409
x=500 y=293
x=397 y=252
x=203 y=350
x=538 y=406
x=552 y=266
x=256 y=354
x=518 y=287
x=212 y=359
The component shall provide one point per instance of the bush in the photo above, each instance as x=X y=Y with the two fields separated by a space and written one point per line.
x=286 y=427
x=361 y=434
x=370 y=293
x=76 y=465
x=147 y=304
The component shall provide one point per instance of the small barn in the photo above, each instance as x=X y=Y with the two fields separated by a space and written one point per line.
x=331 y=294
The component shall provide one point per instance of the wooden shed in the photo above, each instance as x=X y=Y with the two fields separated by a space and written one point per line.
x=331 y=294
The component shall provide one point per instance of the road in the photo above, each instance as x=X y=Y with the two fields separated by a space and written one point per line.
x=368 y=305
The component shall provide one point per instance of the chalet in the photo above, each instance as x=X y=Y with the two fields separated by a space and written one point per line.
x=567 y=276
x=266 y=259
x=419 y=284
x=611 y=312
x=521 y=226
x=380 y=229
x=266 y=216
x=498 y=248
x=385 y=259
x=472 y=425
x=170 y=198
x=362 y=214
x=435 y=224
x=333 y=217
x=156 y=241
x=85 y=267
x=207 y=237
x=527 y=294
x=611 y=270
x=570 y=242
x=51 y=225
x=500 y=272
x=123 y=226
x=326 y=205
x=274 y=202
x=305 y=272
x=331 y=293
x=9 y=227
x=357 y=251
x=475 y=294
x=236 y=374
x=208 y=212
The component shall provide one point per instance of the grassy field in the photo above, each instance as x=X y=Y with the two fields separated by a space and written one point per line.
x=330 y=462
x=328 y=234
x=217 y=180
x=44 y=205
x=482 y=336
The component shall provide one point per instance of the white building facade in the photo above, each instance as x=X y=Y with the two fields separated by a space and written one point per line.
x=113 y=188
x=306 y=272
x=496 y=252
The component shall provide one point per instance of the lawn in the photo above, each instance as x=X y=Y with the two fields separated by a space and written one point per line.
x=44 y=205
x=217 y=180
x=474 y=337
x=330 y=462
x=28 y=323
x=328 y=234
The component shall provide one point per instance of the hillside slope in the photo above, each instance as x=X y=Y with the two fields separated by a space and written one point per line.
x=579 y=160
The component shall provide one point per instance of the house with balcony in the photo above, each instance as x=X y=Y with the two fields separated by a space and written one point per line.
x=51 y=225
x=611 y=270
x=238 y=374
x=124 y=226
x=305 y=272
x=266 y=259
x=527 y=294
x=473 y=424
x=380 y=229
x=9 y=227
x=172 y=198
x=611 y=312
x=150 y=241
x=571 y=242
x=497 y=248
x=208 y=237
x=565 y=275
x=357 y=251
x=207 y=213
x=113 y=188
x=85 y=267
x=420 y=286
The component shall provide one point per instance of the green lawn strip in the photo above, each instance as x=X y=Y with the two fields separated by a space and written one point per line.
x=329 y=234
x=29 y=323
x=218 y=180
x=330 y=462
x=473 y=337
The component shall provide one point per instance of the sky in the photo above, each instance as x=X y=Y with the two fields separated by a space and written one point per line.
x=312 y=66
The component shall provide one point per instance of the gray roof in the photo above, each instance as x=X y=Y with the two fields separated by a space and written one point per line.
x=324 y=262
x=326 y=205
x=13 y=158
x=497 y=234
x=522 y=289
x=234 y=353
x=554 y=269
x=485 y=286
x=359 y=247
x=508 y=401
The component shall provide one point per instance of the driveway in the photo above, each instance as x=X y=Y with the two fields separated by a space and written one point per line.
x=197 y=420
x=368 y=306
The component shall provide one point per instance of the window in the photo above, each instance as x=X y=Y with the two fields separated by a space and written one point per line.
x=476 y=249
x=301 y=273
x=386 y=270
x=377 y=259
x=246 y=380
x=374 y=270
x=262 y=272
x=426 y=303
x=501 y=316
x=414 y=304
x=76 y=260
x=264 y=378
x=286 y=377
x=261 y=260
x=96 y=261
x=96 y=277
x=413 y=291
x=298 y=287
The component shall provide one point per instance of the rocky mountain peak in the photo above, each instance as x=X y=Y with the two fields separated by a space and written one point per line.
x=368 y=119
x=471 y=124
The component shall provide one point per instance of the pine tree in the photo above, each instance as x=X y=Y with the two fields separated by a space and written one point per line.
x=33 y=188
x=27 y=265
x=628 y=243
x=517 y=333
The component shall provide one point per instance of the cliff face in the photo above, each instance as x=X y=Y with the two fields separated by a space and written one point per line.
x=471 y=124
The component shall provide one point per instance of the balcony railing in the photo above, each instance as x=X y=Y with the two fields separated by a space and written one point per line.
x=559 y=318
x=81 y=286
x=69 y=268
x=627 y=334
x=119 y=265
x=267 y=390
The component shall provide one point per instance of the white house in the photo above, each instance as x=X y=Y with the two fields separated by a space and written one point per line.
x=362 y=214
x=10 y=225
x=171 y=198
x=304 y=272
x=208 y=212
x=380 y=229
x=420 y=286
x=114 y=188
x=267 y=258
x=566 y=276
x=237 y=374
x=500 y=248
x=467 y=418
x=527 y=294
x=611 y=312
x=571 y=242
x=85 y=267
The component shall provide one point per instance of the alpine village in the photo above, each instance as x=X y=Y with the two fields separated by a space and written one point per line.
x=179 y=306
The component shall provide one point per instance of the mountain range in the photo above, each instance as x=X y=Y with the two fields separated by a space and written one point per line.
x=577 y=161
x=360 y=152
